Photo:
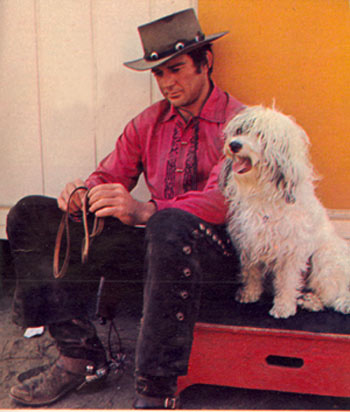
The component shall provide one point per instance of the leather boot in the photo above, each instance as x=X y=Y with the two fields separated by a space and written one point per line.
x=82 y=360
x=53 y=383
x=156 y=393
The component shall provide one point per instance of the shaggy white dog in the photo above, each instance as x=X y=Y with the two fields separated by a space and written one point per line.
x=275 y=219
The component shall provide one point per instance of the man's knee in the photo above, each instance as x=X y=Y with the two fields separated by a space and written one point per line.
x=172 y=244
x=169 y=224
x=19 y=211
x=29 y=207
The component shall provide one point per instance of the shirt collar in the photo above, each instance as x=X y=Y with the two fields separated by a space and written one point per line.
x=213 y=109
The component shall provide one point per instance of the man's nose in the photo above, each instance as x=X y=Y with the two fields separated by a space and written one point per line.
x=168 y=81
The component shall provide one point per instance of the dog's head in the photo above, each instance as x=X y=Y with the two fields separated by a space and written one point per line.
x=269 y=145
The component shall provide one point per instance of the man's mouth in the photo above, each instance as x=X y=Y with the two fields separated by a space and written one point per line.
x=241 y=165
x=174 y=95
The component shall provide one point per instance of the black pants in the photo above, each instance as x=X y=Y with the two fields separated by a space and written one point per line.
x=178 y=260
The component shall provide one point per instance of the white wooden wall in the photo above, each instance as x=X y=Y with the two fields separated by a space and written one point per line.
x=65 y=95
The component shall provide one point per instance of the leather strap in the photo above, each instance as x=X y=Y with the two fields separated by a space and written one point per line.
x=152 y=402
x=74 y=365
x=83 y=367
x=64 y=227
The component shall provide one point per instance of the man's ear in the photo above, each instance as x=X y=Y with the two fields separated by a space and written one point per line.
x=210 y=59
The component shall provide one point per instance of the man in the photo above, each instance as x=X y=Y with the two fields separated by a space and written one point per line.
x=177 y=144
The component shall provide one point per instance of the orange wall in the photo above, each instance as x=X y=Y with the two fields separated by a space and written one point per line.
x=298 y=53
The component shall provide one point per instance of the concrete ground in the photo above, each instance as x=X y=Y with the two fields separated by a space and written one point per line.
x=18 y=354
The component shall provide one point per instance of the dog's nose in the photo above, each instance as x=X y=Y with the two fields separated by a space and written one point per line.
x=235 y=146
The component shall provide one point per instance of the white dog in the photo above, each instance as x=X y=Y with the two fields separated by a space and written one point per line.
x=275 y=219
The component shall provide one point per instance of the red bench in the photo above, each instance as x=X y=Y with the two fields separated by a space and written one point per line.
x=307 y=353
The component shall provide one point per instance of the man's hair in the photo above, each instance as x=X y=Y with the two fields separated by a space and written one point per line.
x=199 y=57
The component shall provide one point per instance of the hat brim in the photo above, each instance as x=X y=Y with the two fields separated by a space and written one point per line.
x=143 y=64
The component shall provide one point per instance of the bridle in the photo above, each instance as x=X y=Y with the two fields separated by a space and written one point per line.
x=64 y=227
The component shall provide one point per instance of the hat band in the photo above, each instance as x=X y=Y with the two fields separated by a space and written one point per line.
x=178 y=46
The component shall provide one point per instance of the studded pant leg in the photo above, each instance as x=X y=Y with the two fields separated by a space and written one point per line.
x=179 y=247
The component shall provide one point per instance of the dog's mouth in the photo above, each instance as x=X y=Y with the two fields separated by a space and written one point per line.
x=241 y=165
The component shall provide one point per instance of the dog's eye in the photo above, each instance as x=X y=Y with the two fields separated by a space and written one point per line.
x=239 y=131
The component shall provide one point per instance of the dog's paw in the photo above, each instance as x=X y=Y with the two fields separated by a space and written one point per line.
x=247 y=295
x=283 y=310
x=342 y=304
x=310 y=301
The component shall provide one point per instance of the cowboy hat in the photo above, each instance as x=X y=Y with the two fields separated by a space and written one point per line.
x=168 y=37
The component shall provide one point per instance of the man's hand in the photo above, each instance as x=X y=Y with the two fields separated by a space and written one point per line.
x=112 y=199
x=77 y=199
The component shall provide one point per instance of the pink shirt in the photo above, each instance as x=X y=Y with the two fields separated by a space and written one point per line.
x=179 y=160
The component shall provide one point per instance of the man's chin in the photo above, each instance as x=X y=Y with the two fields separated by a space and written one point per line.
x=175 y=101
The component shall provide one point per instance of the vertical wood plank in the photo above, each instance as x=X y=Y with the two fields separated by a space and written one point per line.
x=20 y=153
x=66 y=91
x=121 y=93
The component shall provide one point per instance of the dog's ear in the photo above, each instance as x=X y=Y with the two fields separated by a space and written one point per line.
x=286 y=161
x=281 y=168
x=288 y=188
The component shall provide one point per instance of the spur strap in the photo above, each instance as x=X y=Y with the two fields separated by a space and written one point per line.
x=64 y=227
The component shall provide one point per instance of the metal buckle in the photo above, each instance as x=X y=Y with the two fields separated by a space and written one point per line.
x=170 y=403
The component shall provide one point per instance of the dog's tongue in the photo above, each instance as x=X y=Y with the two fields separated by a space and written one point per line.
x=242 y=165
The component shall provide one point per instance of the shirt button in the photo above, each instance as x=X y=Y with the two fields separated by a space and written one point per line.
x=184 y=143
x=179 y=170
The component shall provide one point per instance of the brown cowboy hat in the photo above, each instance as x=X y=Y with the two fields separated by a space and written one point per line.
x=168 y=37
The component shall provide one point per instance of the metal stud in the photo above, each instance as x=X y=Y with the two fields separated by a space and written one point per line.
x=179 y=46
x=187 y=250
x=154 y=56
x=208 y=232
x=180 y=316
x=202 y=227
x=90 y=369
x=215 y=238
x=187 y=272
x=184 y=294
x=195 y=234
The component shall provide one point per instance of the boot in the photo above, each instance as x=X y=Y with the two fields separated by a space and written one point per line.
x=65 y=375
x=82 y=360
x=156 y=393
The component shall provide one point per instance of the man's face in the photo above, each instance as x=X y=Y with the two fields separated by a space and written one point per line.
x=181 y=84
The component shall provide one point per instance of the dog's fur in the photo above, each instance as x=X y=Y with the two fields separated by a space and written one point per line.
x=275 y=219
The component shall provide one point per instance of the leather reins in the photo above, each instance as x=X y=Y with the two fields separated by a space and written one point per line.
x=64 y=227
